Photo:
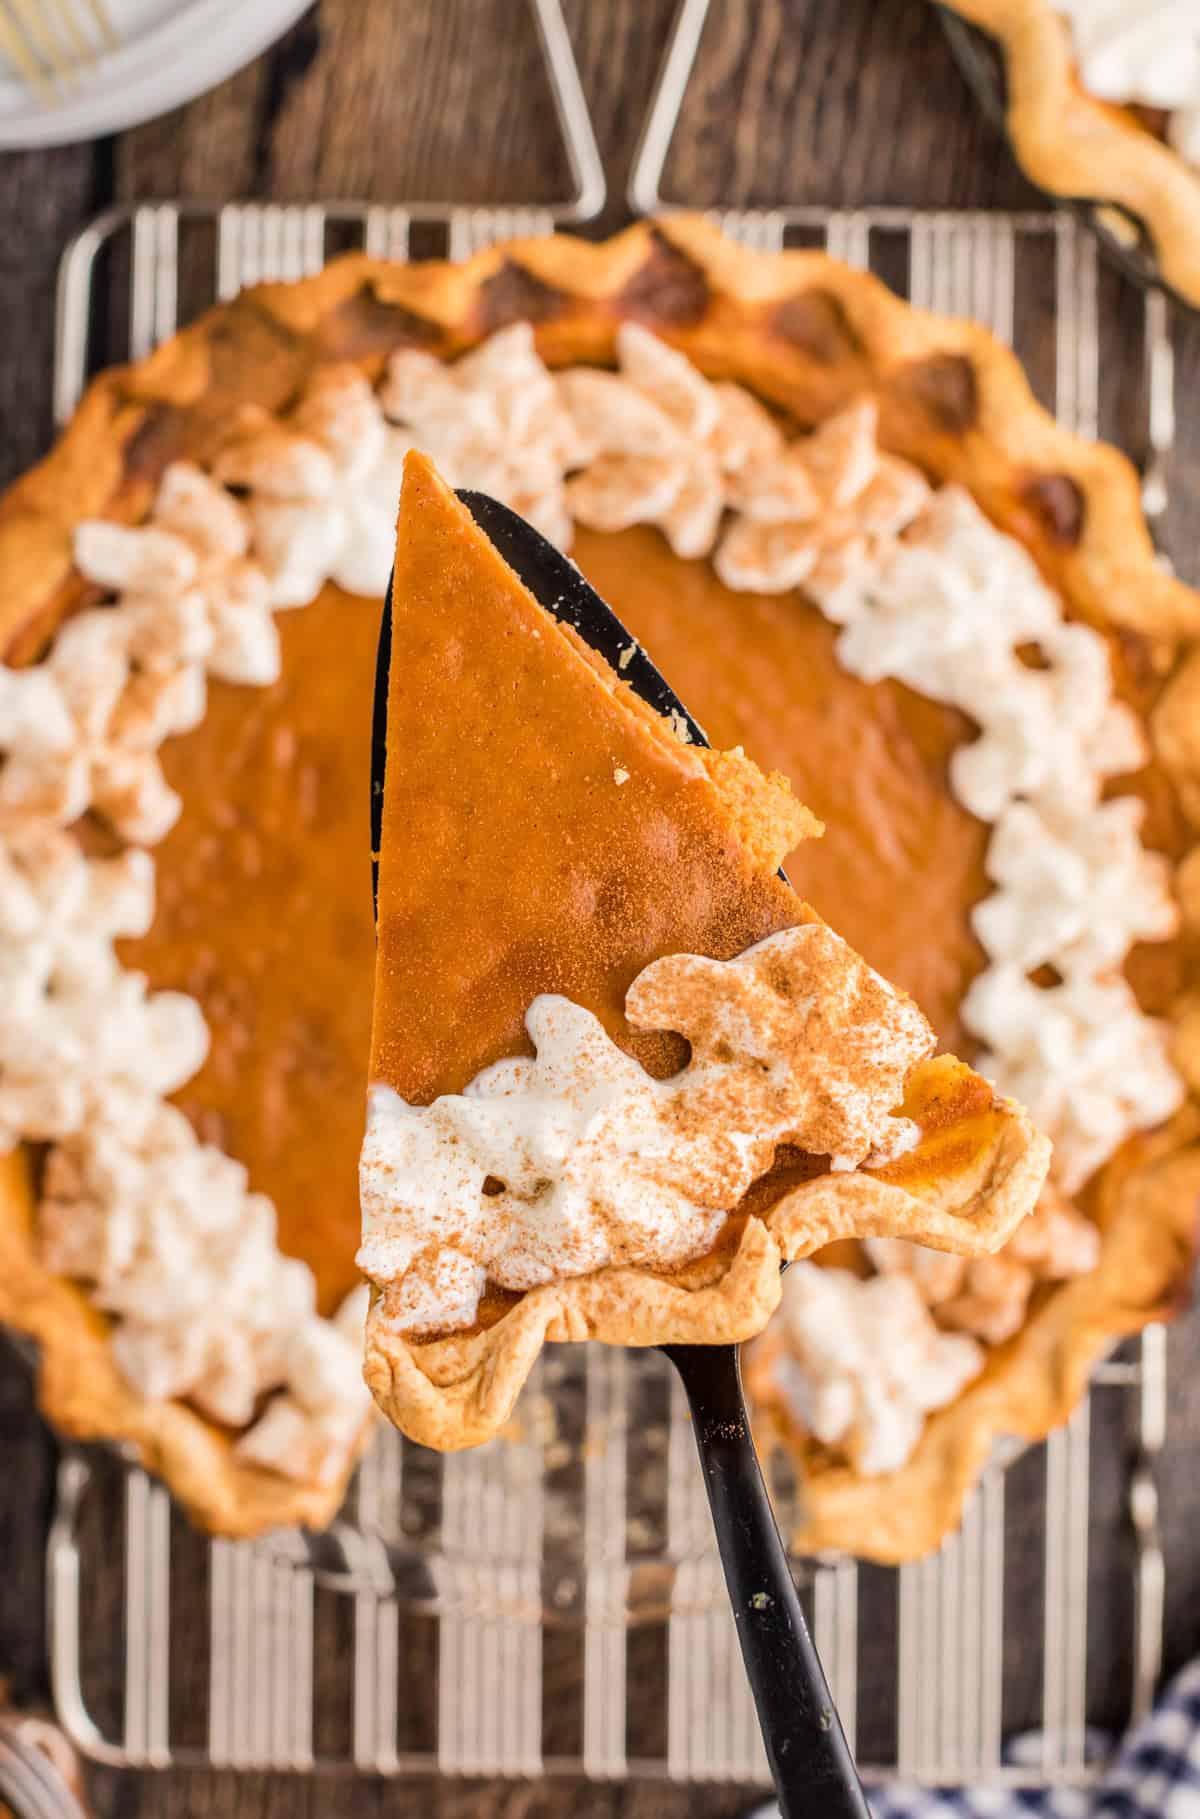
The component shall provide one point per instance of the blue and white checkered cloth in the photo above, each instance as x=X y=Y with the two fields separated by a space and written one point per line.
x=1154 y=1775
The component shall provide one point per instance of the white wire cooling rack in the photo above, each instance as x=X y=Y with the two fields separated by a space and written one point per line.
x=576 y=1557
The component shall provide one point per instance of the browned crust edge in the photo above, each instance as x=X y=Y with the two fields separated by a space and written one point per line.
x=800 y=329
x=1072 y=144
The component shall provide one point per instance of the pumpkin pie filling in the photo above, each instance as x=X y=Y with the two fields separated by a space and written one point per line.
x=870 y=760
x=264 y=916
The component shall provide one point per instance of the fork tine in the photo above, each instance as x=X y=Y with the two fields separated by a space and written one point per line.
x=16 y=49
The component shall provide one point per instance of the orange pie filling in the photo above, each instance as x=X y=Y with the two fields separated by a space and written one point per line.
x=924 y=692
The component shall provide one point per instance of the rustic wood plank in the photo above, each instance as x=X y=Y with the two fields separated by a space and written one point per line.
x=209 y=150
x=44 y=198
x=233 y=1796
x=819 y=101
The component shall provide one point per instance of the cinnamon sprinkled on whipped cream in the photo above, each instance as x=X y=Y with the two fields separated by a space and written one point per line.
x=562 y=1164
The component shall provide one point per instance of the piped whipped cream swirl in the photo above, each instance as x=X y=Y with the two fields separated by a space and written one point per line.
x=175 y=1247
x=559 y=1165
x=951 y=609
x=863 y=1363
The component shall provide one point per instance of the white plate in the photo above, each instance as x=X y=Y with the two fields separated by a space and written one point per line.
x=169 y=51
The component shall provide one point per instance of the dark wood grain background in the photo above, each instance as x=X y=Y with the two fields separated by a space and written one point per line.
x=831 y=101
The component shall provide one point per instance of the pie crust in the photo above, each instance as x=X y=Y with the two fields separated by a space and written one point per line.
x=1072 y=144
x=809 y=335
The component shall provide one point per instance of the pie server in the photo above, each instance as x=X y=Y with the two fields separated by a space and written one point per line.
x=811 y=1763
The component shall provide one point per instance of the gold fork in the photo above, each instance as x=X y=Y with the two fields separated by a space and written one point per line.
x=52 y=43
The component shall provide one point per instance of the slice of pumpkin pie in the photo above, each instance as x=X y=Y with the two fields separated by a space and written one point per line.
x=620 y=1071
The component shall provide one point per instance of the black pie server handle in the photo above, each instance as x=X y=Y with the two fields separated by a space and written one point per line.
x=813 y=1769
x=811 y=1764
x=379 y=718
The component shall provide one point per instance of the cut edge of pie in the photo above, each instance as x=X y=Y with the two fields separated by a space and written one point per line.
x=1072 y=144
x=801 y=330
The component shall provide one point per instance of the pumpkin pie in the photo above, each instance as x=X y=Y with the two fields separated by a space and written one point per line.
x=1104 y=104
x=798 y=493
x=584 y=882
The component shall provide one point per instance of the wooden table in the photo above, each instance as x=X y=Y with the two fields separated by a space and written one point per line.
x=830 y=101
